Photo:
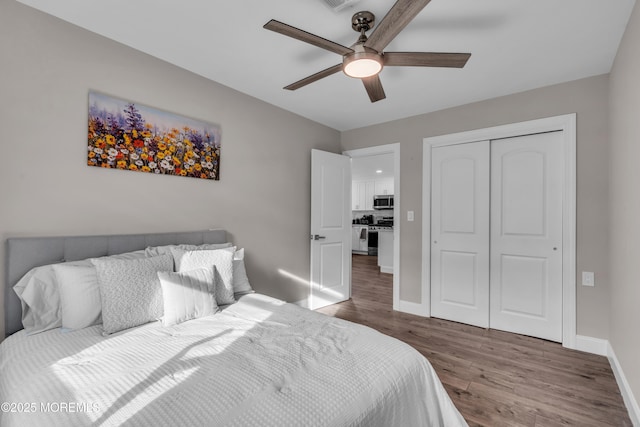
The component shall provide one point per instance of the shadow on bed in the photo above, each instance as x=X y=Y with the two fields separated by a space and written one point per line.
x=171 y=370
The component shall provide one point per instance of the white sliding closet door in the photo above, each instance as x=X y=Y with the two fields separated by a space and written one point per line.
x=526 y=235
x=496 y=234
x=460 y=233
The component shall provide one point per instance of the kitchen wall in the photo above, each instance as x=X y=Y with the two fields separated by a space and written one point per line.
x=46 y=188
x=589 y=99
x=624 y=225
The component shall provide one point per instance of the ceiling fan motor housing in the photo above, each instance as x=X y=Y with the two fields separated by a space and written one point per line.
x=363 y=61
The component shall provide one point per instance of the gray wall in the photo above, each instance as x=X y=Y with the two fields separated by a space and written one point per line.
x=263 y=197
x=46 y=188
x=587 y=98
x=625 y=203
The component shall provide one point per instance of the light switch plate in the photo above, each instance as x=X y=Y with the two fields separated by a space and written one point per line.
x=588 y=278
x=410 y=216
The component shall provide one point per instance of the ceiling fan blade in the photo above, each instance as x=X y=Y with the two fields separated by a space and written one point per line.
x=425 y=59
x=314 y=77
x=373 y=85
x=301 y=35
x=398 y=17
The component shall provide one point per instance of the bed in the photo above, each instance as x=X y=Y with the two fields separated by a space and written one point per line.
x=255 y=362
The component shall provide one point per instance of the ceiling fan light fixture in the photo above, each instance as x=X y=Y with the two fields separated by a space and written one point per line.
x=362 y=64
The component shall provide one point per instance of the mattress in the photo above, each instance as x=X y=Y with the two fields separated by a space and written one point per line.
x=259 y=362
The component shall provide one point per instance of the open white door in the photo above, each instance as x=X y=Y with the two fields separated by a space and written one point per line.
x=330 y=228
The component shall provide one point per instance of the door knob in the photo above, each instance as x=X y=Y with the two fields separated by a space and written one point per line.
x=317 y=237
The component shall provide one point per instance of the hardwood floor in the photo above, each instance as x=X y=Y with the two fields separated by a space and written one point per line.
x=494 y=378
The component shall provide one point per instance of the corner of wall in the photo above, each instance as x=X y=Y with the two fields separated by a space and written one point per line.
x=603 y=348
x=625 y=389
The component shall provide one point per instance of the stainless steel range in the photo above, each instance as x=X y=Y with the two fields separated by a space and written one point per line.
x=386 y=223
x=372 y=249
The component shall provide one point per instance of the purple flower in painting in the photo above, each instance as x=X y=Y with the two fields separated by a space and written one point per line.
x=133 y=118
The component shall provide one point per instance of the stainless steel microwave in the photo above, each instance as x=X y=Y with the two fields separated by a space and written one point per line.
x=383 y=202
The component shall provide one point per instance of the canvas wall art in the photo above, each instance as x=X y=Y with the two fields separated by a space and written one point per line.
x=129 y=136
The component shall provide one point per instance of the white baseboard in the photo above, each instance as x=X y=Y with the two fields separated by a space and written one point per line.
x=592 y=345
x=603 y=348
x=388 y=270
x=627 y=395
x=412 y=308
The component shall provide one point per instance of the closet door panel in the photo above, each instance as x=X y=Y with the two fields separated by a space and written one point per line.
x=526 y=235
x=460 y=233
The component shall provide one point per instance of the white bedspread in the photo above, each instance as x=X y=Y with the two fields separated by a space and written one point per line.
x=260 y=362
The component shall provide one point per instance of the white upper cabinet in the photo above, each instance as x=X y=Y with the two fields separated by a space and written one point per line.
x=383 y=186
x=362 y=193
x=369 y=187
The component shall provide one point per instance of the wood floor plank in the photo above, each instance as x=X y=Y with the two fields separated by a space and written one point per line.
x=494 y=378
x=483 y=410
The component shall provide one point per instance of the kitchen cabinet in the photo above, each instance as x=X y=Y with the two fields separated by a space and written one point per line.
x=362 y=193
x=385 y=251
x=383 y=186
x=359 y=245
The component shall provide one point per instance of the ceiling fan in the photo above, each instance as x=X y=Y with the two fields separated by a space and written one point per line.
x=365 y=59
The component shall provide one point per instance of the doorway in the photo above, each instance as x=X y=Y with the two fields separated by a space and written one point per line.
x=368 y=190
x=565 y=245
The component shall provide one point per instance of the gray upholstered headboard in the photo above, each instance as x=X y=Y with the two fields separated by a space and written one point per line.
x=22 y=254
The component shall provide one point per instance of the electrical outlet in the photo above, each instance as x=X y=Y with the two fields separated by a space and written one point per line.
x=588 y=278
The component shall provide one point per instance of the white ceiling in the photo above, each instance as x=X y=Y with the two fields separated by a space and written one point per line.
x=365 y=168
x=516 y=45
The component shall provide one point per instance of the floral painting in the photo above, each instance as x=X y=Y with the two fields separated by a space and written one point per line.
x=129 y=136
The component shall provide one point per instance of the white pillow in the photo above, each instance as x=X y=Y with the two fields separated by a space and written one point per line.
x=162 y=250
x=79 y=295
x=187 y=295
x=241 y=283
x=40 y=298
x=130 y=291
x=221 y=261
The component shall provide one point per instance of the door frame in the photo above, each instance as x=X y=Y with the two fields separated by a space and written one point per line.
x=395 y=150
x=565 y=123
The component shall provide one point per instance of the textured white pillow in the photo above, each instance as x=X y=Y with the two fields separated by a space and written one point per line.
x=241 y=283
x=40 y=297
x=162 y=250
x=221 y=259
x=130 y=291
x=79 y=295
x=187 y=295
